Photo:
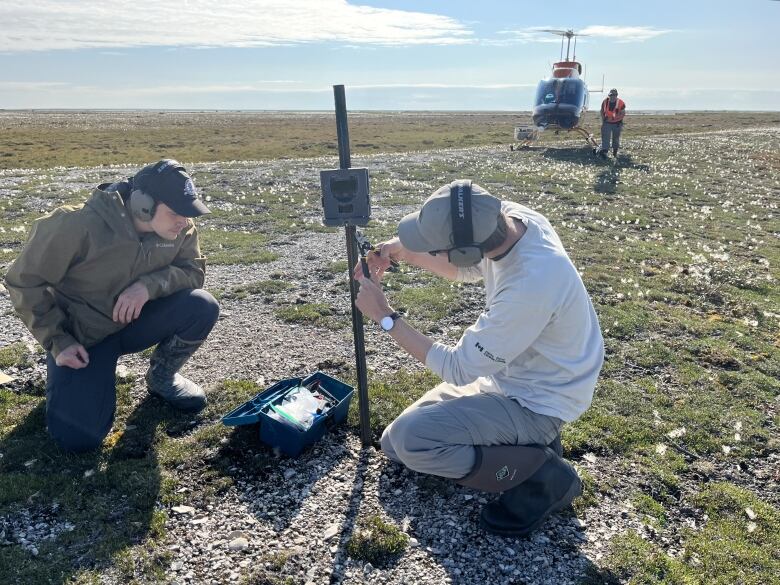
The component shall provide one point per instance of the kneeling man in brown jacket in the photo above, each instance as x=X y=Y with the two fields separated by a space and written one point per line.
x=118 y=275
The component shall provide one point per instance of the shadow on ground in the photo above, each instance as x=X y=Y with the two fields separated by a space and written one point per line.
x=63 y=515
x=445 y=517
x=608 y=179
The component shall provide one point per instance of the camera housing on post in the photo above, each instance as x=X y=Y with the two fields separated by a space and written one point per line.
x=345 y=197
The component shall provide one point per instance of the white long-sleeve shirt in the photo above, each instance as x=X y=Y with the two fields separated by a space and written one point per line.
x=538 y=340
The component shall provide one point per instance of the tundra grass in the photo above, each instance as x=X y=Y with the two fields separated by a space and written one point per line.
x=677 y=245
x=50 y=139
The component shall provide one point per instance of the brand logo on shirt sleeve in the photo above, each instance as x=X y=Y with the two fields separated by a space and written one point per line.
x=489 y=355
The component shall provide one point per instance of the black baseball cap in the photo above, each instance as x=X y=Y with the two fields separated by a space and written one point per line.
x=167 y=181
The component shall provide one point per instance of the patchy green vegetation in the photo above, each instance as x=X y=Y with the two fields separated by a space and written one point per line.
x=376 y=542
x=738 y=543
x=262 y=287
x=388 y=396
x=14 y=355
x=228 y=247
x=305 y=313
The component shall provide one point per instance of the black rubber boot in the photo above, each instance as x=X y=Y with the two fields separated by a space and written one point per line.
x=522 y=509
x=499 y=468
x=614 y=152
x=162 y=379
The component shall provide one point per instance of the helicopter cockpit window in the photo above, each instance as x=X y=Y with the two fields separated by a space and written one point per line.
x=561 y=91
x=546 y=92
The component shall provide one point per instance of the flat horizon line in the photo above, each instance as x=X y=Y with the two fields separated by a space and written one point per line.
x=454 y=111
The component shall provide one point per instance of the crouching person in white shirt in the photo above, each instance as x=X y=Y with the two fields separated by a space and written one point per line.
x=527 y=366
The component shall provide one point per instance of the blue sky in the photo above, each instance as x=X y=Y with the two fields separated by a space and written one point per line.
x=421 y=55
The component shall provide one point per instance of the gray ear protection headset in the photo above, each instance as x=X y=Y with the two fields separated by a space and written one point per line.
x=466 y=252
x=142 y=206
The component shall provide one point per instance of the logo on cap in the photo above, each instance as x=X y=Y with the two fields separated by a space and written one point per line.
x=167 y=164
x=189 y=189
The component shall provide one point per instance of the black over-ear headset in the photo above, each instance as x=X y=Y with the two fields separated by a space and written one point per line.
x=466 y=252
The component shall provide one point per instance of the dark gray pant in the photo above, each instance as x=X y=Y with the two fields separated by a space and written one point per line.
x=610 y=131
x=80 y=404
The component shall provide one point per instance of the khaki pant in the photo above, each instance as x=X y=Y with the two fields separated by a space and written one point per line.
x=437 y=434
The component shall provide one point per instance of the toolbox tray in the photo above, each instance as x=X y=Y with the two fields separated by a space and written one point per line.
x=289 y=439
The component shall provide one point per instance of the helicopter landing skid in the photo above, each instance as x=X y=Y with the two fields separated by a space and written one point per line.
x=588 y=137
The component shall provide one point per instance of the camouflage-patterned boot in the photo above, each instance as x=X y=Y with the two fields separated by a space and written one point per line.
x=162 y=379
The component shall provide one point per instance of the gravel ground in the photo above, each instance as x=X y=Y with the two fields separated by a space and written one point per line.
x=307 y=507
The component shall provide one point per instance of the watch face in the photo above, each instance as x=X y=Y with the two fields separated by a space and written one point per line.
x=386 y=323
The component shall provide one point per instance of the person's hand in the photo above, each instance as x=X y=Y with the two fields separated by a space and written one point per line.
x=129 y=304
x=381 y=257
x=74 y=356
x=371 y=300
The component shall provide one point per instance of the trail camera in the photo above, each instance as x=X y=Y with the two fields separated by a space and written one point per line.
x=345 y=198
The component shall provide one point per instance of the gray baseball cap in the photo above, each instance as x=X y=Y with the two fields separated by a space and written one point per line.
x=431 y=228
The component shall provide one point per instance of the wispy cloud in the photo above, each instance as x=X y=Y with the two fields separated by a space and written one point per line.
x=109 y=24
x=33 y=85
x=280 y=86
x=624 y=34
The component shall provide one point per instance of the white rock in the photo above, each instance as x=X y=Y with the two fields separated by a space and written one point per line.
x=289 y=473
x=183 y=509
x=330 y=532
x=238 y=544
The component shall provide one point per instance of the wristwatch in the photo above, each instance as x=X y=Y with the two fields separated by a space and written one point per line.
x=387 y=322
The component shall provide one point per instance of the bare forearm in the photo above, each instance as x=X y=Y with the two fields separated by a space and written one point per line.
x=438 y=265
x=415 y=343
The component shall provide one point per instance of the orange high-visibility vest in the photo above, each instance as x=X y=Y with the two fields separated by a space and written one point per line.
x=613 y=116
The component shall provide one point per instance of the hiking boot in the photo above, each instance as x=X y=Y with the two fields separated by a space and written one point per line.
x=163 y=381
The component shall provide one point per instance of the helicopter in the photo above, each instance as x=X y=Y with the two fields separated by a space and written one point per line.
x=561 y=99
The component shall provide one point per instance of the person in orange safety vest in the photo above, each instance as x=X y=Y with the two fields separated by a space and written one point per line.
x=613 y=110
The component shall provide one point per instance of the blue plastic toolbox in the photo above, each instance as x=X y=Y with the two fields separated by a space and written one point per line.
x=291 y=439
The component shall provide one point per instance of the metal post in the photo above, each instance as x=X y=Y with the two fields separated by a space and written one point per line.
x=342 y=131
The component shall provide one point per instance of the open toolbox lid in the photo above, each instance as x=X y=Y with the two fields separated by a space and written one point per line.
x=249 y=412
x=252 y=411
